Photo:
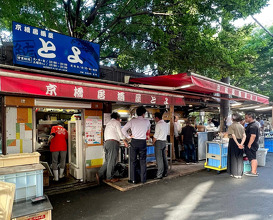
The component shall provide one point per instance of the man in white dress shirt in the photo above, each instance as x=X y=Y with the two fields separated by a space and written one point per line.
x=159 y=141
x=112 y=136
x=139 y=127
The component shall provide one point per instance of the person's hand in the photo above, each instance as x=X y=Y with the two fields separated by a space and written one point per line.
x=241 y=146
x=249 y=146
x=126 y=144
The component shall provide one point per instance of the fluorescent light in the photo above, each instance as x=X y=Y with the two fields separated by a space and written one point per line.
x=250 y=107
x=186 y=86
x=123 y=113
x=236 y=104
x=61 y=104
x=262 y=109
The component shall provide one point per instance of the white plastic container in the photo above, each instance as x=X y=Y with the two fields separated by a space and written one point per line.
x=261 y=156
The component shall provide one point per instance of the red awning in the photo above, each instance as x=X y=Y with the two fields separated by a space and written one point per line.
x=198 y=84
x=19 y=82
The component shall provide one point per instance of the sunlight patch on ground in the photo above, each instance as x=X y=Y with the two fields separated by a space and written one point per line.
x=244 y=217
x=187 y=206
x=266 y=191
x=161 y=206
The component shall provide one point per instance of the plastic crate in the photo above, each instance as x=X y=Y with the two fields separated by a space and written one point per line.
x=268 y=143
x=216 y=156
x=150 y=150
x=19 y=159
x=28 y=184
x=150 y=159
x=218 y=163
x=213 y=148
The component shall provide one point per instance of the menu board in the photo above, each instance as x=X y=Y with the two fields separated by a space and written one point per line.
x=93 y=129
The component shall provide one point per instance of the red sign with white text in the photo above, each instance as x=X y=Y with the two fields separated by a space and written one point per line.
x=56 y=89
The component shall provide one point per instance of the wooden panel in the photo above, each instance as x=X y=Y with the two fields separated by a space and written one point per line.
x=92 y=113
x=96 y=105
x=22 y=115
x=19 y=101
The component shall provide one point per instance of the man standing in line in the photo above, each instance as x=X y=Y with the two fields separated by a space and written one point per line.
x=58 y=146
x=112 y=136
x=139 y=127
x=187 y=140
x=252 y=143
x=159 y=141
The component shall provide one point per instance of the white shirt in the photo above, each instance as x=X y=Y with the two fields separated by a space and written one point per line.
x=113 y=130
x=174 y=130
x=139 y=126
x=161 y=130
x=178 y=126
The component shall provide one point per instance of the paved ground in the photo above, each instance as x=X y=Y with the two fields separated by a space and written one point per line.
x=202 y=195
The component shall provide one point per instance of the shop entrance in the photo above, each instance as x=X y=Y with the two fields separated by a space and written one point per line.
x=46 y=118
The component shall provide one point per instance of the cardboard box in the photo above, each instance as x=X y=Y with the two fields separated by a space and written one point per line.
x=7 y=191
x=46 y=178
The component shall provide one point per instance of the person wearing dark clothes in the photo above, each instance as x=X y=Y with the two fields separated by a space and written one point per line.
x=215 y=122
x=236 y=133
x=252 y=143
x=187 y=140
x=139 y=127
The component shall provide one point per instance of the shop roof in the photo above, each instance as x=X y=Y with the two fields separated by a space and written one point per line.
x=194 y=83
x=39 y=85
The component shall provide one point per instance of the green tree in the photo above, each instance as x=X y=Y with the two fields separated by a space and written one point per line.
x=168 y=36
x=260 y=77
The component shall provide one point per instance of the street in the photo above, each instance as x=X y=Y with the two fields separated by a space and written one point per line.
x=202 y=195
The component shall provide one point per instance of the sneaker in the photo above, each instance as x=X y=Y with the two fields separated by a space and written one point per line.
x=238 y=177
x=158 y=178
x=231 y=175
x=252 y=174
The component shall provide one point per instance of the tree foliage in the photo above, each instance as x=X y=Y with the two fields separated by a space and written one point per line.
x=260 y=77
x=167 y=36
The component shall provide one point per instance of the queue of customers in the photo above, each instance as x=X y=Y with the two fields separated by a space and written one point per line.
x=136 y=131
x=242 y=140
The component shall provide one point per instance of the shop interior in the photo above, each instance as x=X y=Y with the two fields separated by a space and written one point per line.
x=46 y=118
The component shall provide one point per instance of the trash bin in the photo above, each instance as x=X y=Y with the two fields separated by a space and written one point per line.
x=261 y=156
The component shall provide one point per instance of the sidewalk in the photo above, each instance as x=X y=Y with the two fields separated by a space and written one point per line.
x=178 y=169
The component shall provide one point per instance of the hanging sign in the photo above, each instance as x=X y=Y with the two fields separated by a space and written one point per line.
x=50 y=50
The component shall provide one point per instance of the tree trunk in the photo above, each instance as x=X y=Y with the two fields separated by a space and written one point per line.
x=224 y=107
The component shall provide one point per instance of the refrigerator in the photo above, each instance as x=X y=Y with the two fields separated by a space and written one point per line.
x=202 y=139
x=75 y=149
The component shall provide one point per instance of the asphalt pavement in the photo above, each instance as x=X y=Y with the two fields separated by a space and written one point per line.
x=203 y=196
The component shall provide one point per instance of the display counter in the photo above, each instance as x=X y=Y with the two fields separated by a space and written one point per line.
x=28 y=210
x=202 y=138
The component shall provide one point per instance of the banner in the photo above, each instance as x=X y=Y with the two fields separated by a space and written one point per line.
x=45 y=49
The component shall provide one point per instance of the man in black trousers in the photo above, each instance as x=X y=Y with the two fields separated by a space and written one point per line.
x=139 y=127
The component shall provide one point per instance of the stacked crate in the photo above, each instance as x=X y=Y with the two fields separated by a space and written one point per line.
x=268 y=143
x=150 y=154
x=216 y=155
x=26 y=174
